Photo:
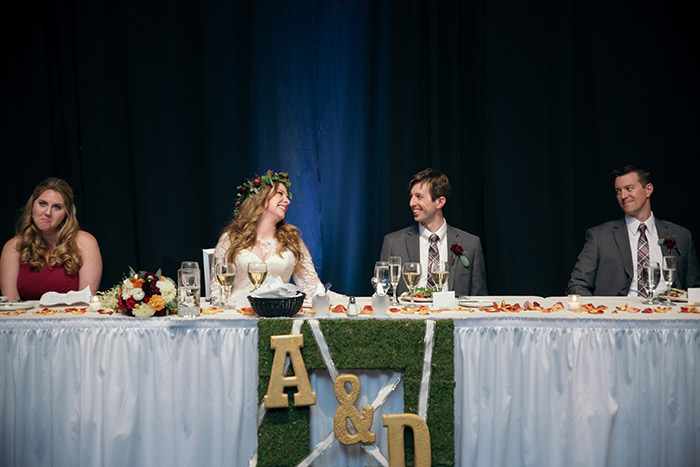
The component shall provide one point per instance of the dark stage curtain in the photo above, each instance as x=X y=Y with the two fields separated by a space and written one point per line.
x=155 y=111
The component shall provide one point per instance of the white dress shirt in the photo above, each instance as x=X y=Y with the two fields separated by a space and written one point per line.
x=424 y=244
x=654 y=250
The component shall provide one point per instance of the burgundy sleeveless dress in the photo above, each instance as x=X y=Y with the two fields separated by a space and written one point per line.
x=31 y=285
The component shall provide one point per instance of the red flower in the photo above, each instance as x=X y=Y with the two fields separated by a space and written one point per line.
x=669 y=243
x=458 y=252
x=256 y=181
x=130 y=303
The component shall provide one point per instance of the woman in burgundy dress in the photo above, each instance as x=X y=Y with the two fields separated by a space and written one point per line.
x=49 y=253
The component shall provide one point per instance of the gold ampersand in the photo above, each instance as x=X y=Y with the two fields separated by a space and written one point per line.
x=348 y=411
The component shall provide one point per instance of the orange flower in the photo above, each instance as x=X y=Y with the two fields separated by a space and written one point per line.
x=137 y=283
x=156 y=302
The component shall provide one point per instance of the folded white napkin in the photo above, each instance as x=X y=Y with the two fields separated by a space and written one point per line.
x=275 y=288
x=69 y=298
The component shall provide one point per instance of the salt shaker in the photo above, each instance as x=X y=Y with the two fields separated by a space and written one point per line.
x=352 y=307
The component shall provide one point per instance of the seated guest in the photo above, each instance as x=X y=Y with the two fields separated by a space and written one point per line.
x=49 y=253
x=615 y=252
x=258 y=233
x=430 y=191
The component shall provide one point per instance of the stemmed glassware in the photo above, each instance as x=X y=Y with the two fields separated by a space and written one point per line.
x=440 y=272
x=188 y=289
x=669 y=273
x=411 y=276
x=394 y=275
x=651 y=276
x=381 y=274
x=257 y=273
x=225 y=275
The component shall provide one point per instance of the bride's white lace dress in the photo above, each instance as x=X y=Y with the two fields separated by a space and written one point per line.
x=266 y=251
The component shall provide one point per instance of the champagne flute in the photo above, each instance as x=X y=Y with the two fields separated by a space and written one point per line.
x=411 y=276
x=394 y=275
x=440 y=272
x=669 y=272
x=650 y=276
x=225 y=275
x=381 y=273
x=257 y=273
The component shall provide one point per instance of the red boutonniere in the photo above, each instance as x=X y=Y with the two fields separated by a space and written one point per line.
x=458 y=252
x=669 y=243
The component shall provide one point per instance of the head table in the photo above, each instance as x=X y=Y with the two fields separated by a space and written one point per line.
x=531 y=388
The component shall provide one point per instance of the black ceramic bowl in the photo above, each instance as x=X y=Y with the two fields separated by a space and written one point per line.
x=277 y=307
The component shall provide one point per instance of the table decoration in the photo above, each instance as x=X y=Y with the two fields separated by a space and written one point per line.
x=143 y=294
x=283 y=437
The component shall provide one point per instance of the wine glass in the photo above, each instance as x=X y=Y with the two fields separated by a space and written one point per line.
x=381 y=273
x=411 y=276
x=394 y=275
x=440 y=272
x=650 y=276
x=257 y=273
x=669 y=273
x=225 y=275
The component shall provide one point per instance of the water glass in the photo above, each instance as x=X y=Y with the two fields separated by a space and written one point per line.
x=381 y=274
x=188 y=291
x=651 y=275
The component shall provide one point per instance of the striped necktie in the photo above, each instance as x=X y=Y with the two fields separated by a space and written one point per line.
x=433 y=258
x=642 y=259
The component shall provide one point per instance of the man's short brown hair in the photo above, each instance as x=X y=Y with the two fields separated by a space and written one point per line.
x=643 y=174
x=438 y=183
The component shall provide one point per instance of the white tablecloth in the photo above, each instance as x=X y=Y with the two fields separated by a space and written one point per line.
x=127 y=392
x=584 y=392
x=531 y=390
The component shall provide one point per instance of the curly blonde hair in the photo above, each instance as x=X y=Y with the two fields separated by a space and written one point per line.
x=33 y=249
x=243 y=234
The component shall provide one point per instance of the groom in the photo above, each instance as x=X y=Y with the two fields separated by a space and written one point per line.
x=432 y=237
x=614 y=253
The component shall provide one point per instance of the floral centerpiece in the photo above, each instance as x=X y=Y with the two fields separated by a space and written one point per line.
x=143 y=294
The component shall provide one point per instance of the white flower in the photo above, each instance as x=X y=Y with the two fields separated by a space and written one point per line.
x=138 y=294
x=142 y=310
x=167 y=289
x=110 y=299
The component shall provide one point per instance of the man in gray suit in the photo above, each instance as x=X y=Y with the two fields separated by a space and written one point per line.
x=608 y=264
x=430 y=190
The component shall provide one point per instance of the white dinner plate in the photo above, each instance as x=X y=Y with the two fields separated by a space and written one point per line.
x=407 y=299
x=12 y=306
x=474 y=303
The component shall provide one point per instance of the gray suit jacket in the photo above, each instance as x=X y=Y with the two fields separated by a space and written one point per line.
x=605 y=265
x=464 y=281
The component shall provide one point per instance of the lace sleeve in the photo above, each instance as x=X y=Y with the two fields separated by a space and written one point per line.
x=305 y=276
x=222 y=247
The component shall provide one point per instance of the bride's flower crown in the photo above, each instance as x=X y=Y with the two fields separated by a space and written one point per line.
x=252 y=186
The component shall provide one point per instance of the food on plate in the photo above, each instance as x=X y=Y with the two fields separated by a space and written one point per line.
x=677 y=293
x=367 y=310
x=690 y=309
x=339 y=309
x=423 y=292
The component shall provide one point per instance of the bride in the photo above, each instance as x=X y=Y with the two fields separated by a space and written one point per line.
x=258 y=233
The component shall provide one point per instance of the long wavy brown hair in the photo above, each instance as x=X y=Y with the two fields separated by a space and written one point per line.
x=242 y=232
x=33 y=249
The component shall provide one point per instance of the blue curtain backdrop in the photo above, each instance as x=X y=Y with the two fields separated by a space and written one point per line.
x=155 y=111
